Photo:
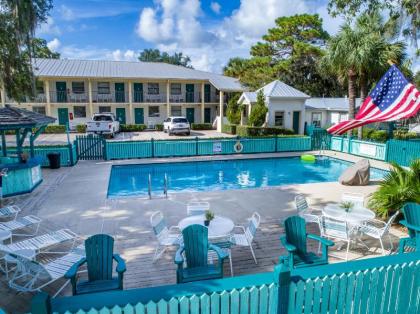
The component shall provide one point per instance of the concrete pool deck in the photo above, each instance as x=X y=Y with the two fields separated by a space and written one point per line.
x=75 y=198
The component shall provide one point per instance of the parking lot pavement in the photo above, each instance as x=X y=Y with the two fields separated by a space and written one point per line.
x=57 y=139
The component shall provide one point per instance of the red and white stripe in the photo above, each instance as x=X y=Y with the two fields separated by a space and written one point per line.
x=405 y=106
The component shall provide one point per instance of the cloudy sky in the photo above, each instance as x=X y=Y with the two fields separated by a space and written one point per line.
x=209 y=31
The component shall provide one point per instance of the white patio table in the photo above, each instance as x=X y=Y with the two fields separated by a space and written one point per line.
x=220 y=226
x=356 y=216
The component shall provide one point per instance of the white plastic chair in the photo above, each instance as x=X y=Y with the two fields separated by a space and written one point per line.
x=306 y=212
x=247 y=235
x=197 y=208
x=357 y=199
x=166 y=236
x=225 y=244
x=29 y=221
x=9 y=211
x=336 y=229
x=378 y=229
x=32 y=276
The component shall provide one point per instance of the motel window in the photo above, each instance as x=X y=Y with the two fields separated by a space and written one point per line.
x=176 y=89
x=103 y=88
x=103 y=109
x=343 y=117
x=78 y=87
x=153 y=88
x=40 y=87
x=154 y=111
x=176 y=111
x=39 y=109
x=316 y=119
x=279 y=118
x=79 y=111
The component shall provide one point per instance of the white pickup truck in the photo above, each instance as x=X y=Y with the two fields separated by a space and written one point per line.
x=103 y=123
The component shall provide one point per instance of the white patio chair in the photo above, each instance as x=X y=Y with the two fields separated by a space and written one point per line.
x=32 y=276
x=306 y=212
x=197 y=208
x=357 y=199
x=29 y=221
x=336 y=229
x=225 y=244
x=166 y=236
x=247 y=235
x=9 y=211
x=377 y=229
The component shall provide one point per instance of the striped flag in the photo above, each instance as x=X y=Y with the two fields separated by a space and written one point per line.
x=393 y=98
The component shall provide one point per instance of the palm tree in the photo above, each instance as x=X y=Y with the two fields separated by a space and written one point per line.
x=358 y=55
x=399 y=186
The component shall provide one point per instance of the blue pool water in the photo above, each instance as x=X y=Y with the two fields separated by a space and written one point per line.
x=131 y=180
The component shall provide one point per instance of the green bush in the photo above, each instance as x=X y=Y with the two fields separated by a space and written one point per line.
x=132 y=127
x=229 y=128
x=201 y=126
x=258 y=111
x=159 y=127
x=404 y=135
x=246 y=131
x=379 y=136
x=81 y=128
x=55 y=129
x=233 y=112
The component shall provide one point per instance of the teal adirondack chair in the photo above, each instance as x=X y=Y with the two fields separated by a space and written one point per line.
x=295 y=243
x=99 y=258
x=412 y=222
x=196 y=246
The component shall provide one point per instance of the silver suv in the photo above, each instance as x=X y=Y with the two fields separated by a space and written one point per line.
x=176 y=125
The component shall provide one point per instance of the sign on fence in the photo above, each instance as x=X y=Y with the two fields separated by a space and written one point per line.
x=217 y=147
x=368 y=150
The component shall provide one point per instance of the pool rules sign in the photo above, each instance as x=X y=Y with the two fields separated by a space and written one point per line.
x=217 y=147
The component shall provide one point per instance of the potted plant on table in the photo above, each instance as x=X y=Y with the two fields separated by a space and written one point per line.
x=209 y=216
x=347 y=206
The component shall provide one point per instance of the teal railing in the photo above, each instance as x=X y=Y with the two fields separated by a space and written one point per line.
x=200 y=147
x=360 y=148
x=389 y=284
x=403 y=152
x=68 y=154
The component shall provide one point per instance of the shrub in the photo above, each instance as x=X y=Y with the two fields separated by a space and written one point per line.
x=233 y=112
x=159 y=127
x=51 y=129
x=379 y=136
x=229 y=128
x=246 y=131
x=258 y=111
x=201 y=126
x=81 y=128
x=132 y=127
x=404 y=135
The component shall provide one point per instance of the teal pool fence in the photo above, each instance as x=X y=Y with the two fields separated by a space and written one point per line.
x=389 y=284
x=200 y=147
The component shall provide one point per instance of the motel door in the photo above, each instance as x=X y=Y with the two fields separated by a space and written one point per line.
x=296 y=121
x=119 y=92
x=207 y=91
x=138 y=93
x=61 y=91
x=189 y=97
x=207 y=115
x=190 y=115
x=120 y=113
x=63 y=116
x=138 y=116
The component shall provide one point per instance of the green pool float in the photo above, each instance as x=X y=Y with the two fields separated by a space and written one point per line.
x=308 y=158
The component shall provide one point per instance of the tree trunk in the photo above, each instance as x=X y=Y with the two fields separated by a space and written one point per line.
x=363 y=95
x=352 y=96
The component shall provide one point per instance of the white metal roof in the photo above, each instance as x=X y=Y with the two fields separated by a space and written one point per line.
x=129 y=70
x=275 y=89
x=332 y=103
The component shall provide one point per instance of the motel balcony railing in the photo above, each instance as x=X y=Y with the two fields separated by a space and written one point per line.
x=39 y=98
x=111 y=97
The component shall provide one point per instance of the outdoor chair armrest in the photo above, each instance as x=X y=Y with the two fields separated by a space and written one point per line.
x=289 y=247
x=373 y=223
x=410 y=226
x=320 y=239
x=240 y=227
x=175 y=229
x=72 y=272
x=179 y=260
x=121 y=267
x=222 y=255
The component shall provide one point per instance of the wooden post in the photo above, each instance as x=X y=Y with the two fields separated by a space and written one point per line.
x=130 y=103
x=168 y=105
x=47 y=97
x=202 y=102
x=41 y=304
x=221 y=104
x=282 y=278
x=3 y=96
x=90 y=97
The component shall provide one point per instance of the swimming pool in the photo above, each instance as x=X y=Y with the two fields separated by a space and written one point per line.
x=132 y=180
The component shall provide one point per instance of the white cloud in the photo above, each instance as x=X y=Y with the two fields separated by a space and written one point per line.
x=128 y=55
x=215 y=7
x=66 y=13
x=49 y=28
x=54 y=44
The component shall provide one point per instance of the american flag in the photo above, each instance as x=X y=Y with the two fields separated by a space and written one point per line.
x=393 y=98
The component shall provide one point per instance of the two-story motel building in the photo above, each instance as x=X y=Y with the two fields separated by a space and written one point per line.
x=137 y=92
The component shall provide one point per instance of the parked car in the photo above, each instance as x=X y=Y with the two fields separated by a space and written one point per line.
x=176 y=125
x=103 y=123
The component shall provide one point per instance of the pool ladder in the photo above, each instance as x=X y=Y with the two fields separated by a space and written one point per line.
x=165 y=186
